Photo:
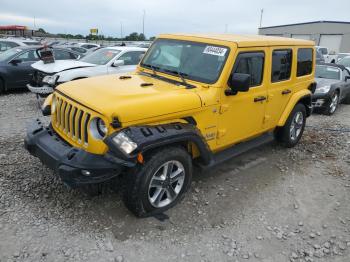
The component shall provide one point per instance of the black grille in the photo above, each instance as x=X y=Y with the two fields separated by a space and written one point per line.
x=37 y=78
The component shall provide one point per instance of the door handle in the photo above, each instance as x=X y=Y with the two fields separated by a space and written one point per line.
x=286 y=92
x=259 y=98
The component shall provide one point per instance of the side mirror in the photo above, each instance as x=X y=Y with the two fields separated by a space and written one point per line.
x=16 y=61
x=238 y=83
x=347 y=78
x=117 y=63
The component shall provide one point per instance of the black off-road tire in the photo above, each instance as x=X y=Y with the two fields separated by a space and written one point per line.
x=138 y=179
x=283 y=134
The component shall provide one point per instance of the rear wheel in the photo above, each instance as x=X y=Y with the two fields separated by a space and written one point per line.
x=159 y=183
x=333 y=104
x=290 y=134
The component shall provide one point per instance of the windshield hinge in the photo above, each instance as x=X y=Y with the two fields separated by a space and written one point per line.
x=224 y=108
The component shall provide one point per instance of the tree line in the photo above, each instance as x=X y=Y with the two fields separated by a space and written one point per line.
x=131 y=37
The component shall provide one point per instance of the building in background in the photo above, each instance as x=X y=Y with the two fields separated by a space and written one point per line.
x=17 y=30
x=331 y=34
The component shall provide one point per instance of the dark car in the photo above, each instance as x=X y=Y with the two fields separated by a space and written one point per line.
x=15 y=65
x=333 y=87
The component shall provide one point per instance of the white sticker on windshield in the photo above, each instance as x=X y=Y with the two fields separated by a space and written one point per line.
x=215 y=50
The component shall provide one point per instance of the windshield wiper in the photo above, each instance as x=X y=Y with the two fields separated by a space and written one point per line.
x=152 y=67
x=182 y=76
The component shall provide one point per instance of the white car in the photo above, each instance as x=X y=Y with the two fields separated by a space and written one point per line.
x=340 y=56
x=109 y=60
x=329 y=56
x=8 y=43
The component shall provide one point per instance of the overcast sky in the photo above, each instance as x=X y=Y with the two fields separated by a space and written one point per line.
x=166 y=16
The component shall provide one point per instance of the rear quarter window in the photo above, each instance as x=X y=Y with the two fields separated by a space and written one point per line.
x=305 y=61
x=281 y=65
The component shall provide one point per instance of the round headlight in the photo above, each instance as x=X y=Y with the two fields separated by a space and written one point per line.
x=98 y=128
x=101 y=127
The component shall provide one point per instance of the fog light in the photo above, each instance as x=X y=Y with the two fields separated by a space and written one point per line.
x=320 y=102
x=86 y=172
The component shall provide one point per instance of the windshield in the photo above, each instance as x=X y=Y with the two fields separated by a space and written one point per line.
x=345 y=61
x=9 y=53
x=196 y=61
x=101 y=56
x=329 y=72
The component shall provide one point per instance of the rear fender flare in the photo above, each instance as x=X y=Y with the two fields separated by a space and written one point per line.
x=303 y=96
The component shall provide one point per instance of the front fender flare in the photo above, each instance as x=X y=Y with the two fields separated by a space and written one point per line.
x=151 y=137
x=305 y=96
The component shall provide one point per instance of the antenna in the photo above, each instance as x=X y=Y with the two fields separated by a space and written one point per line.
x=121 y=30
x=143 y=22
x=261 y=16
x=34 y=23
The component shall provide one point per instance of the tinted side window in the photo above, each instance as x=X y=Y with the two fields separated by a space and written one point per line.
x=28 y=56
x=281 y=65
x=61 y=55
x=131 y=58
x=305 y=59
x=252 y=64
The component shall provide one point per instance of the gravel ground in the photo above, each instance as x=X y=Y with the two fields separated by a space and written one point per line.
x=271 y=204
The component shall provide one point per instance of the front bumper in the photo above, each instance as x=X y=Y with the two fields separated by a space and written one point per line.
x=74 y=166
x=320 y=100
x=41 y=90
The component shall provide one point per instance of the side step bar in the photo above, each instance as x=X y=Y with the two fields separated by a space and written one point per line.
x=238 y=149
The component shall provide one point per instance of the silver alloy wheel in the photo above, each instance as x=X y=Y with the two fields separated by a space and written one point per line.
x=296 y=126
x=166 y=184
x=334 y=103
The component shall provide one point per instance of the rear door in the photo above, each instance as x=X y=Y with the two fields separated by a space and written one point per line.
x=280 y=83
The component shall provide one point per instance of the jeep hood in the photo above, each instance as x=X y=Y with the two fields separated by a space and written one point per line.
x=59 y=65
x=128 y=100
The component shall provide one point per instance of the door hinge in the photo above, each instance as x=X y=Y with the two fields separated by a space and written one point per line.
x=267 y=118
x=224 y=108
x=221 y=133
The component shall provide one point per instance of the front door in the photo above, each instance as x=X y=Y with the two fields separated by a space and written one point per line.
x=21 y=73
x=242 y=115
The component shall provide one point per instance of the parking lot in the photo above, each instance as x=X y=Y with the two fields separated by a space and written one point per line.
x=270 y=204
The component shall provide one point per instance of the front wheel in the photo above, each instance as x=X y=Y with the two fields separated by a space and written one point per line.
x=159 y=183
x=290 y=134
x=333 y=104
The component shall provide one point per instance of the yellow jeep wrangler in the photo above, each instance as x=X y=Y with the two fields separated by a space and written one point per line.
x=193 y=100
